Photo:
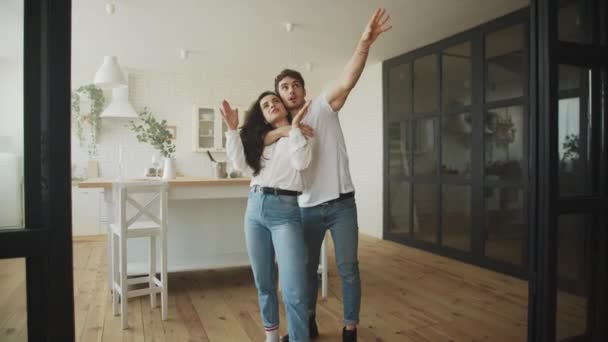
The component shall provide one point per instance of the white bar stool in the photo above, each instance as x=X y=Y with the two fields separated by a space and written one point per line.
x=127 y=227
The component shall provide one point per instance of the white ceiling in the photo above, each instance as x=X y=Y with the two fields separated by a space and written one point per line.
x=245 y=35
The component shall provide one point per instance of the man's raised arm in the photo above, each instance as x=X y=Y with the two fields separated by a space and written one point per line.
x=336 y=96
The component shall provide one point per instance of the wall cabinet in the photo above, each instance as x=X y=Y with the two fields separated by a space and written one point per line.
x=210 y=128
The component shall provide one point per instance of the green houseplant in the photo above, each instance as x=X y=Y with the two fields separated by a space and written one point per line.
x=89 y=122
x=154 y=132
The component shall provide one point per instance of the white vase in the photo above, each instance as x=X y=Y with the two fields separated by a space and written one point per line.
x=168 y=170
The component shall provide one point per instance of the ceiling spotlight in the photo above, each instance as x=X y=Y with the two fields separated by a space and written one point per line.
x=184 y=54
x=111 y=7
x=288 y=26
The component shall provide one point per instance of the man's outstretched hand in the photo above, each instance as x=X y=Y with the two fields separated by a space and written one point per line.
x=375 y=27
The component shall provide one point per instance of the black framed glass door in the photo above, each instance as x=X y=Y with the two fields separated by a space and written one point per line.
x=567 y=300
x=36 y=232
x=457 y=142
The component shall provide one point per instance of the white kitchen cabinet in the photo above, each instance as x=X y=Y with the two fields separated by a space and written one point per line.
x=210 y=128
x=86 y=205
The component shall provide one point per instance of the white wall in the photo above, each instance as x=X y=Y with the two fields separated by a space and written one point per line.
x=361 y=120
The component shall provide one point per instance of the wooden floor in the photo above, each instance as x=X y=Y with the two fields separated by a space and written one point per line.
x=408 y=295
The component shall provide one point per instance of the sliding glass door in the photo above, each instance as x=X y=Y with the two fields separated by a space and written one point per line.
x=35 y=217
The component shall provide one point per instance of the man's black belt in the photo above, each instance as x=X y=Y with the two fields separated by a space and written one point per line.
x=341 y=197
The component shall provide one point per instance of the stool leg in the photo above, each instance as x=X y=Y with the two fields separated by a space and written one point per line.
x=124 y=292
x=110 y=262
x=152 y=270
x=324 y=269
x=114 y=273
x=164 y=280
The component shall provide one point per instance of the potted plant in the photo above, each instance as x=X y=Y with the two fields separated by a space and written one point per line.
x=88 y=123
x=150 y=130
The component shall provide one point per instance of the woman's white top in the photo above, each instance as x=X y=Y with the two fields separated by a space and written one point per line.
x=281 y=161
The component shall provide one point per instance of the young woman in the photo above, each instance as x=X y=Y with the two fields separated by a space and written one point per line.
x=272 y=220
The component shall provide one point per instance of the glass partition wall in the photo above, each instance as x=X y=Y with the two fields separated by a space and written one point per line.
x=456 y=142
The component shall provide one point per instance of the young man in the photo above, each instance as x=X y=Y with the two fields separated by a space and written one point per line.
x=327 y=201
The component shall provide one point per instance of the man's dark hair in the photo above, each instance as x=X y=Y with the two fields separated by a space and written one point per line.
x=288 y=73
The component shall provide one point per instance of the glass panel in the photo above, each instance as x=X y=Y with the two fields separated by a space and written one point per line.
x=11 y=114
x=456 y=145
x=13 y=300
x=505 y=224
x=205 y=142
x=425 y=212
x=399 y=200
x=573 y=260
x=398 y=158
x=504 y=143
x=574 y=21
x=400 y=91
x=505 y=64
x=206 y=117
x=456 y=82
x=456 y=216
x=426 y=85
x=224 y=130
x=573 y=131
x=425 y=147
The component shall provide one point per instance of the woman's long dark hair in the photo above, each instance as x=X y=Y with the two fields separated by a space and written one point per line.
x=253 y=132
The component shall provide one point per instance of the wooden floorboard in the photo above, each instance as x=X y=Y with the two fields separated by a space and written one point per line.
x=408 y=295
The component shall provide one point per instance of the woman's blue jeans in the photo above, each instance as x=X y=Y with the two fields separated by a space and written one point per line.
x=273 y=228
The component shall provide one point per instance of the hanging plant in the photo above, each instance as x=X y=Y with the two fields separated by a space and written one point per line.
x=91 y=119
x=153 y=132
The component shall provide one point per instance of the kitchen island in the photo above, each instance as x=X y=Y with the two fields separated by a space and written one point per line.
x=205 y=224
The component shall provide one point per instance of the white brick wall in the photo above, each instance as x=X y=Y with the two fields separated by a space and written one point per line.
x=170 y=95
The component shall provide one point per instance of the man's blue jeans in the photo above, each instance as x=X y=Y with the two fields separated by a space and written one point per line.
x=273 y=227
x=340 y=218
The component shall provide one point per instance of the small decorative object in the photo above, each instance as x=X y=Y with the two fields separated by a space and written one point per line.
x=168 y=170
x=89 y=121
x=155 y=169
x=157 y=134
x=219 y=168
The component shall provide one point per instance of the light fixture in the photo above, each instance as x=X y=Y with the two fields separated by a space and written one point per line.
x=187 y=53
x=288 y=26
x=120 y=106
x=109 y=74
x=111 y=7
x=184 y=54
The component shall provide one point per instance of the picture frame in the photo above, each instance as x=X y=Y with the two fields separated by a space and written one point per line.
x=173 y=130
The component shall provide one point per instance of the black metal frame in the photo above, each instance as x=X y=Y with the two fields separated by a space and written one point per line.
x=548 y=53
x=46 y=240
x=477 y=107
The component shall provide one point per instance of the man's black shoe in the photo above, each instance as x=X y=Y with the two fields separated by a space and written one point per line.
x=313 y=331
x=349 y=335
